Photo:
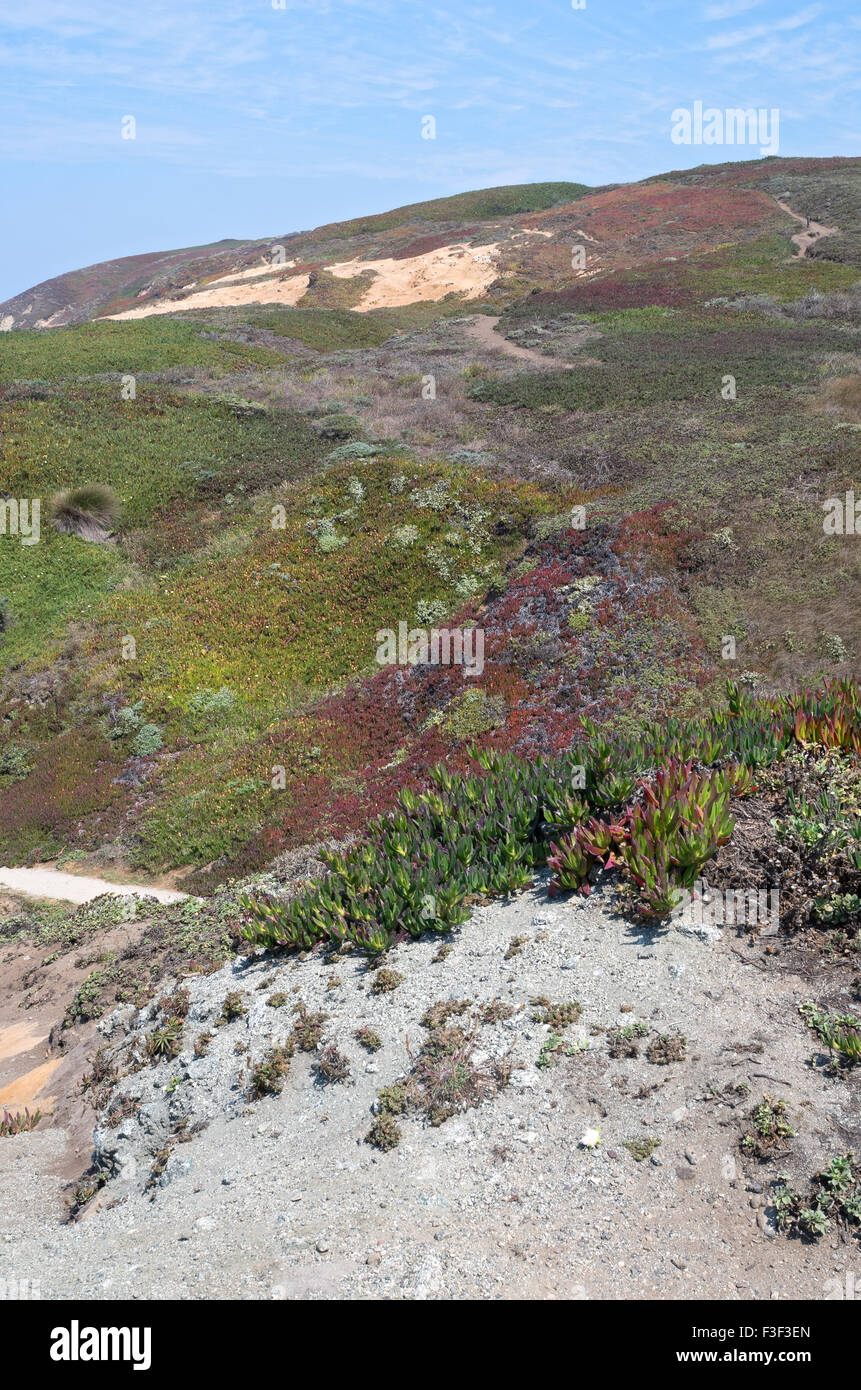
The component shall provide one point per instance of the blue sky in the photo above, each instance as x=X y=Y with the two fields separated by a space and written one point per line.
x=253 y=120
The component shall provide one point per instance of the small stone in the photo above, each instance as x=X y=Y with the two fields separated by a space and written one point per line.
x=691 y=1157
x=523 y=1080
x=766 y=1225
x=657 y=1162
x=373 y=1259
x=678 y=1262
x=322 y=1246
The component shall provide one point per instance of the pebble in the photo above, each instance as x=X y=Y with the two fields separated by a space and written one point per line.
x=524 y=1080
x=691 y=1157
x=766 y=1225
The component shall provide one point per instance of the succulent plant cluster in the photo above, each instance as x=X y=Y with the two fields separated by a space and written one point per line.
x=655 y=804
x=663 y=840
x=19 y=1123
x=834 y=1195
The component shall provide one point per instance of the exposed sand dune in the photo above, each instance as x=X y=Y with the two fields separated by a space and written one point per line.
x=285 y=290
x=261 y=271
x=458 y=268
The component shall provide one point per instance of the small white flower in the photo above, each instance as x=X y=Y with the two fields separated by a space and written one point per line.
x=590 y=1139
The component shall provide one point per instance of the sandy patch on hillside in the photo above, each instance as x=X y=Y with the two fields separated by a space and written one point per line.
x=458 y=269
x=284 y=290
x=24 y=1090
x=261 y=271
x=452 y=269
x=455 y=269
x=17 y=1038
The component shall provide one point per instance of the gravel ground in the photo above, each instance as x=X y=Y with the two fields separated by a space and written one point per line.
x=282 y=1198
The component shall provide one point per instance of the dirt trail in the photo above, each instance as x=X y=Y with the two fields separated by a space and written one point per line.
x=483 y=330
x=804 y=240
x=42 y=882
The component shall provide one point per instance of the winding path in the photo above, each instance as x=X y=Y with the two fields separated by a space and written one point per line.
x=75 y=888
x=483 y=330
x=809 y=237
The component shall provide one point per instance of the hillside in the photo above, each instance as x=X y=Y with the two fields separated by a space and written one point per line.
x=136 y=281
x=594 y=430
x=255 y=645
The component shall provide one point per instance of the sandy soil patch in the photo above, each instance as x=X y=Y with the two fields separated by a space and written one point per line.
x=44 y=882
x=252 y=272
x=19 y=1037
x=286 y=290
x=281 y=1199
x=24 y=1090
x=459 y=269
x=455 y=269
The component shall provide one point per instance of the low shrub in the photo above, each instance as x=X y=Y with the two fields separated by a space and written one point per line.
x=654 y=814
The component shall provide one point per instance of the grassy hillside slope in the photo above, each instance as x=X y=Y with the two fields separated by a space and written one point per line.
x=203 y=691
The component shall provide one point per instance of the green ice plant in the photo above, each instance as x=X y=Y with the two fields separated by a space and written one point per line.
x=656 y=803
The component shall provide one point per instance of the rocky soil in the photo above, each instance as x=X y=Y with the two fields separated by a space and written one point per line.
x=214 y=1194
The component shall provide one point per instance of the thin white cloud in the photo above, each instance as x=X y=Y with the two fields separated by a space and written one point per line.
x=758 y=31
x=730 y=8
